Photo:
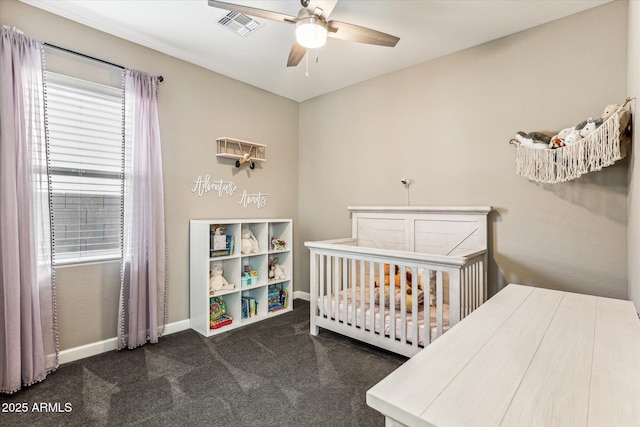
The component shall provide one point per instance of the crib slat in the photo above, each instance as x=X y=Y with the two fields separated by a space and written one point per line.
x=344 y=289
x=485 y=260
x=463 y=292
x=454 y=297
x=474 y=284
x=404 y=333
x=476 y=278
x=476 y=281
x=363 y=268
x=392 y=303
x=371 y=304
x=335 y=298
x=336 y=286
x=321 y=286
x=352 y=284
x=404 y=327
x=334 y=292
x=381 y=302
x=414 y=309
x=469 y=289
x=473 y=281
x=330 y=298
x=481 y=285
x=439 y=302
x=472 y=288
x=429 y=295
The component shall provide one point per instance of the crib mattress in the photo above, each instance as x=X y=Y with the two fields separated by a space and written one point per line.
x=335 y=306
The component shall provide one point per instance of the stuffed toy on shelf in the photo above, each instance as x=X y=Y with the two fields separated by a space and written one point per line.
x=217 y=281
x=249 y=243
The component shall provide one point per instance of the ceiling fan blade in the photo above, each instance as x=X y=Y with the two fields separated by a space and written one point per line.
x=252 y=11
x=345 y=31
x=327 y=6
x=296 y=54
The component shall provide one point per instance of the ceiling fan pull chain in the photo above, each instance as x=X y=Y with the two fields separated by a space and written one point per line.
x=306 y=63
x=316 y=56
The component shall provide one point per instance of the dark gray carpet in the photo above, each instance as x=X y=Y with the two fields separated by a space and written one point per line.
x=271 y=373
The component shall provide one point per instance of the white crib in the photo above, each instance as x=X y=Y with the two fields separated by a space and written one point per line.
x=444 y=248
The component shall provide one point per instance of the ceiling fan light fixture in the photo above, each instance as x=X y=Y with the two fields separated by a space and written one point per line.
x=311 y=32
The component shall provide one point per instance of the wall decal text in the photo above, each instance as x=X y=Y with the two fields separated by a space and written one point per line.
x=204 y=185
x=257 y=199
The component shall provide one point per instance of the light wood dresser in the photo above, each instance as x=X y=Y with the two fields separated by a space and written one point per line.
x=528 y=356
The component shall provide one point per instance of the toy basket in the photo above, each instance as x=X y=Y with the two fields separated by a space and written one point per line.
x=601 y=148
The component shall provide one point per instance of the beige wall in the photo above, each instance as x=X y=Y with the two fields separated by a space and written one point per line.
x=446 y=124
x=196 y=106
x=633 y=89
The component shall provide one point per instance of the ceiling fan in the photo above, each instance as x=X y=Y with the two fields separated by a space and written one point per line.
x=313 y=26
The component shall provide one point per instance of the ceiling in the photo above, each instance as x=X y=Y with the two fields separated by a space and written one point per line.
x=188 y=30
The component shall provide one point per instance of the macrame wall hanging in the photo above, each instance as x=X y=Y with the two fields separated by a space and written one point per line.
x=602 y=147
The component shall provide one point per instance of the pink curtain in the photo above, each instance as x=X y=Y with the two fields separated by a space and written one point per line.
x=28 y=335
x=144 y=280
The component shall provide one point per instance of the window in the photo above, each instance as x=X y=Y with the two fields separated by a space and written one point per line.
x=85 y=125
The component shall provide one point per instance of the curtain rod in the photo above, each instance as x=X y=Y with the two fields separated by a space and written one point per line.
x=160 y=78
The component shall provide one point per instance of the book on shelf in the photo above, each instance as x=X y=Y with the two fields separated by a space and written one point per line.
x=219 y=242
x=249 y=307
x=277 y=298
x=218 y=248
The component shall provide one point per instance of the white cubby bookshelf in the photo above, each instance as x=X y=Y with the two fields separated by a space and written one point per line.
x=202 y=260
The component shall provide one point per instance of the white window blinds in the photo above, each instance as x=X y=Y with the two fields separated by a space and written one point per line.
x=85 y=125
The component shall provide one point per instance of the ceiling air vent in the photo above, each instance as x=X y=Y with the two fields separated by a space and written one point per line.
x=239 y=23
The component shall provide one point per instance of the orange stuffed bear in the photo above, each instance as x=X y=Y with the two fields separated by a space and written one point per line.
x=387 y=278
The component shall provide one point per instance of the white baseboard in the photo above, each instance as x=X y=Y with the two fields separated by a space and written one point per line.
x=302 y=295
x=174 y=327
x=87 y=350
x=110 y=344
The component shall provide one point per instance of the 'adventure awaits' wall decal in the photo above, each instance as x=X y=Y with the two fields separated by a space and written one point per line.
x=203 y=185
